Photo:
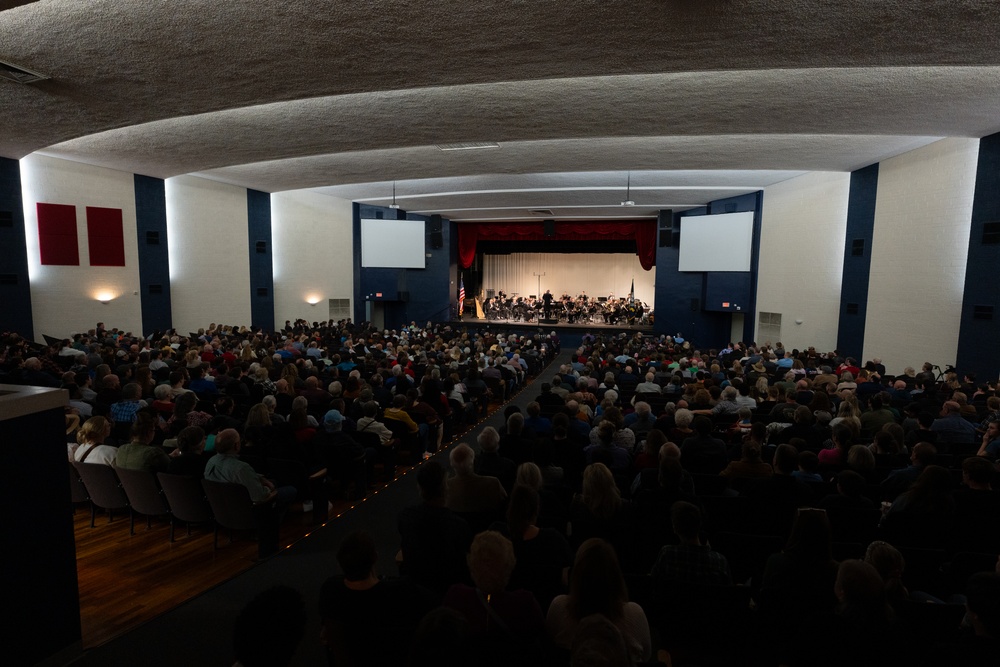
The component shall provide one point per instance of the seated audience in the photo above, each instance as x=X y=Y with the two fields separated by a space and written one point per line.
x=433 y=541
x=368 y=620
x=141 y=453
x=504 y=624
x=692 y=561
x=91 y=447
x=597 y=587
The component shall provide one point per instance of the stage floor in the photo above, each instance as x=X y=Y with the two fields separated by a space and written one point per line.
x=576 y=327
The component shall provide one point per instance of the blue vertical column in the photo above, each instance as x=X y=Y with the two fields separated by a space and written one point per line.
x=677 y=301
x=740 y=285
x=857 y=260
x=261 y=260
x=15 y=287
x=979 y=330
x=154 y=258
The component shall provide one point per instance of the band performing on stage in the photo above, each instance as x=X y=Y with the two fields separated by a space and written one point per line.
x=572 y=310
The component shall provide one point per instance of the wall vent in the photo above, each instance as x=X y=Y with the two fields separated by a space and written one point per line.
x=540 y=211
x=982 y=313
x=991 y=233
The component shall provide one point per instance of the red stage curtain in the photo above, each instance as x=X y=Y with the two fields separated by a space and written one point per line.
x=643 y=232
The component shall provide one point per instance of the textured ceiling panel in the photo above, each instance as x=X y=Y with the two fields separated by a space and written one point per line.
x=311 y=93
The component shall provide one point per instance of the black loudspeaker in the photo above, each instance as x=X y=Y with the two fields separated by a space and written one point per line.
x=436 y=224
x=666 y=238
x=437 y=240
x=695 y=305
x=549 y=227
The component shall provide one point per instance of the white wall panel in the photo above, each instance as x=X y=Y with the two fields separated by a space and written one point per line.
x=919 y=252
x=804 y=222
x=311 y=235
x=573 y=274
x=64 y=299
x=209 y=257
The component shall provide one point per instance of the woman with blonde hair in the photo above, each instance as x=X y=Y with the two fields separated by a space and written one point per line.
x=598 y=510
x=91 y=438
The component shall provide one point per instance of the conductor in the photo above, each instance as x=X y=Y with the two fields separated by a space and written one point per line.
x=547 y=303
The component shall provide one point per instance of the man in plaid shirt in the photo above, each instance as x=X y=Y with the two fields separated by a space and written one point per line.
x=691 y=561
x=123 y=412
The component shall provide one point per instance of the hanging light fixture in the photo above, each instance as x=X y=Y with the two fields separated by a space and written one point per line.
x=394 y=204
x=628 y=191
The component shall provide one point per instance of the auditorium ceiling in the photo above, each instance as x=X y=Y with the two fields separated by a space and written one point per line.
x=681 y=101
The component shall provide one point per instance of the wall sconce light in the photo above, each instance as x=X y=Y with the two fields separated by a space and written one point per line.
x=313 y=300
x=104 y=297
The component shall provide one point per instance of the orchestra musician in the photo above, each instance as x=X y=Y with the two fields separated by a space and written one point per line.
x=573 y=310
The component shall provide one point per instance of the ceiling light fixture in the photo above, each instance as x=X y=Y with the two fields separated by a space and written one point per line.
x=468 y=146
x=394 y=204
x=628 y=191
x=20 y=74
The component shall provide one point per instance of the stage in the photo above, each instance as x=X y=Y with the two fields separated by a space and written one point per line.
x=561 y=327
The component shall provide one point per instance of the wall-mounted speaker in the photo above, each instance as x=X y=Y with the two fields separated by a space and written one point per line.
x=549 y=227
x=695 y=305
x=437 y=240
x=666 y=238
x=435 y=223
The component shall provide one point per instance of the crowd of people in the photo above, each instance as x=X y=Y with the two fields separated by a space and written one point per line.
x=287 y=414
x=648 y=477
x=839 y=506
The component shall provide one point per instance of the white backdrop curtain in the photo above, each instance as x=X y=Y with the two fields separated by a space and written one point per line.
x=595 y=274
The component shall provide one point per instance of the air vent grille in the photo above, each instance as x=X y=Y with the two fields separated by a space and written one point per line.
x=540 y=211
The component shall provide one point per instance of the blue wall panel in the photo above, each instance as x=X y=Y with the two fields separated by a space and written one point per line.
x=677 y=300
x=409 y=295
x=154 y=259
x=15 y=288
x=686 y=302
x=261 y=263
x=857 y=267
x=977 y=339
x=752 y=202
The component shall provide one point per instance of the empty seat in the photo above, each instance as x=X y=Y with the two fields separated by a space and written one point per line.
x=186 y=498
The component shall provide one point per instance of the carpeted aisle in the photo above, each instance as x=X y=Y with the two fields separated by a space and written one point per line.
x=199 y=632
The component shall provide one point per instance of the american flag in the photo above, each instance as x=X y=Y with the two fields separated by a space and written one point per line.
x=461 y=290
x=631 y=292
